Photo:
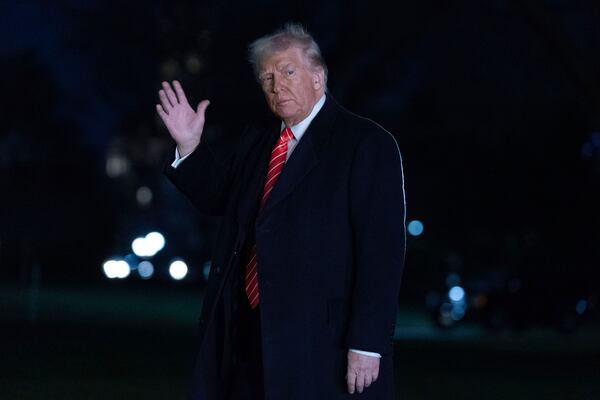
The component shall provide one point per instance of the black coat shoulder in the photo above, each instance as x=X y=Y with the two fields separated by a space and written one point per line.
x=355 y=129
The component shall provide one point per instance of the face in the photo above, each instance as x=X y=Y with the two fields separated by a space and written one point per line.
x=291 y=85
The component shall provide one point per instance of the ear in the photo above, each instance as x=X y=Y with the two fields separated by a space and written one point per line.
x=318 y=79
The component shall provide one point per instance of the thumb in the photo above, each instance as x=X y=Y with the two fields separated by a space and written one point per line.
x=202 y=107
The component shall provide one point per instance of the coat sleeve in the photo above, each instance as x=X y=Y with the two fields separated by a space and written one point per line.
x=206 y=176
x=377 y=207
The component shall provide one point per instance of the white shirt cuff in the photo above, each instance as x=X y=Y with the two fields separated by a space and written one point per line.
x=178 y=159
x=366 y=353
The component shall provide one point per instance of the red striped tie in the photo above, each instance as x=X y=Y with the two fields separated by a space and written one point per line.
x=278 y=157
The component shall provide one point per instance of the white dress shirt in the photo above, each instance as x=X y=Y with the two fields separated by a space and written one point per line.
x=298 y=130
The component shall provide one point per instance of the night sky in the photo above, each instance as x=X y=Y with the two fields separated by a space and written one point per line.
x=496 y=106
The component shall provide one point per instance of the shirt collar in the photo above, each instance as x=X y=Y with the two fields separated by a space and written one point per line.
x=301 y=127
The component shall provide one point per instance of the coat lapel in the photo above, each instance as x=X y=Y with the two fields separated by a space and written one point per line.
x=257 y=170
x=304 y=157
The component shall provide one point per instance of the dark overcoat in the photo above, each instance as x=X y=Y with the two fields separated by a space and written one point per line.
x=330 y=246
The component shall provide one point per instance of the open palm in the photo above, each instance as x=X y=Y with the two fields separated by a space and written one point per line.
x=184 y=124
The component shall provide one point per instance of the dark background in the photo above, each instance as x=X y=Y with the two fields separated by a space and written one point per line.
x=495 y=105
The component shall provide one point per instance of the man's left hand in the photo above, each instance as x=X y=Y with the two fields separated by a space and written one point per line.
x=362 y=371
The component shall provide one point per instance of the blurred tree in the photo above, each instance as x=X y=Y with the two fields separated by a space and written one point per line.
x=53 y=207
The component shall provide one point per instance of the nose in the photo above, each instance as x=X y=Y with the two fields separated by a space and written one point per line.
x=276 y=85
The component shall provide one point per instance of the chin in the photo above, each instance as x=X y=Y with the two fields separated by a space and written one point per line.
x=285 y=115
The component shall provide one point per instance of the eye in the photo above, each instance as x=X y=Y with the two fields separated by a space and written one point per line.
x=266 y=79
x=290 y=72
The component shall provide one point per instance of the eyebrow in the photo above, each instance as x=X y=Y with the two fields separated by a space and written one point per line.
x=288 y=65
x=264 y=74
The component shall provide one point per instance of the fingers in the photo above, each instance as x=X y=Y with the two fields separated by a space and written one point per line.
x=170 y=94
x=202 y=107
x=368 y=380
x=180 y=93
x=361 y=372
x=351 y=382
x=357 y=382
x=360 y=382
x=164 y=101
x=161 y=113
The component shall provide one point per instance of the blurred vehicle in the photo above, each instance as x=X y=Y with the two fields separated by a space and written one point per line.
x=497 y=300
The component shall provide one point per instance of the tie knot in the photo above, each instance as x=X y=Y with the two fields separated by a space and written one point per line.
x=287 y=135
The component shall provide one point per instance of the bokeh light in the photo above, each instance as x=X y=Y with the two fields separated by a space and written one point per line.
x=178 y=270
x=143 y=196
x=145 y=269
x=456 y=294
x=581 y=306
x=149 y=245
x=415 y=227
x=116 y=269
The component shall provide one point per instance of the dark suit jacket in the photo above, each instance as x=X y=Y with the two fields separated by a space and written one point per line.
x=330 y=245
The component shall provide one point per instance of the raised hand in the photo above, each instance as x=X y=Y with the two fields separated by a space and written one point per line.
x=184 y=124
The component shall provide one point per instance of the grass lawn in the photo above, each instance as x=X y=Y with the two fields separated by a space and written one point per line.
x=118 y=343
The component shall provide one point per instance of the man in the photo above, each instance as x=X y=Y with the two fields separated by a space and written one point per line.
x=301 y=298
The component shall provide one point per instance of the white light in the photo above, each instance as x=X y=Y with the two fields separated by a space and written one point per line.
x=456 y=294
x=143 y=196
x=156 y=241
x=149 y=245
x=415 y=227
x=116 y=165
x=178 y=270
x=109 y=269
x=140 y=247
x=116 y=269
x=145 y=269
x=123 y=269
